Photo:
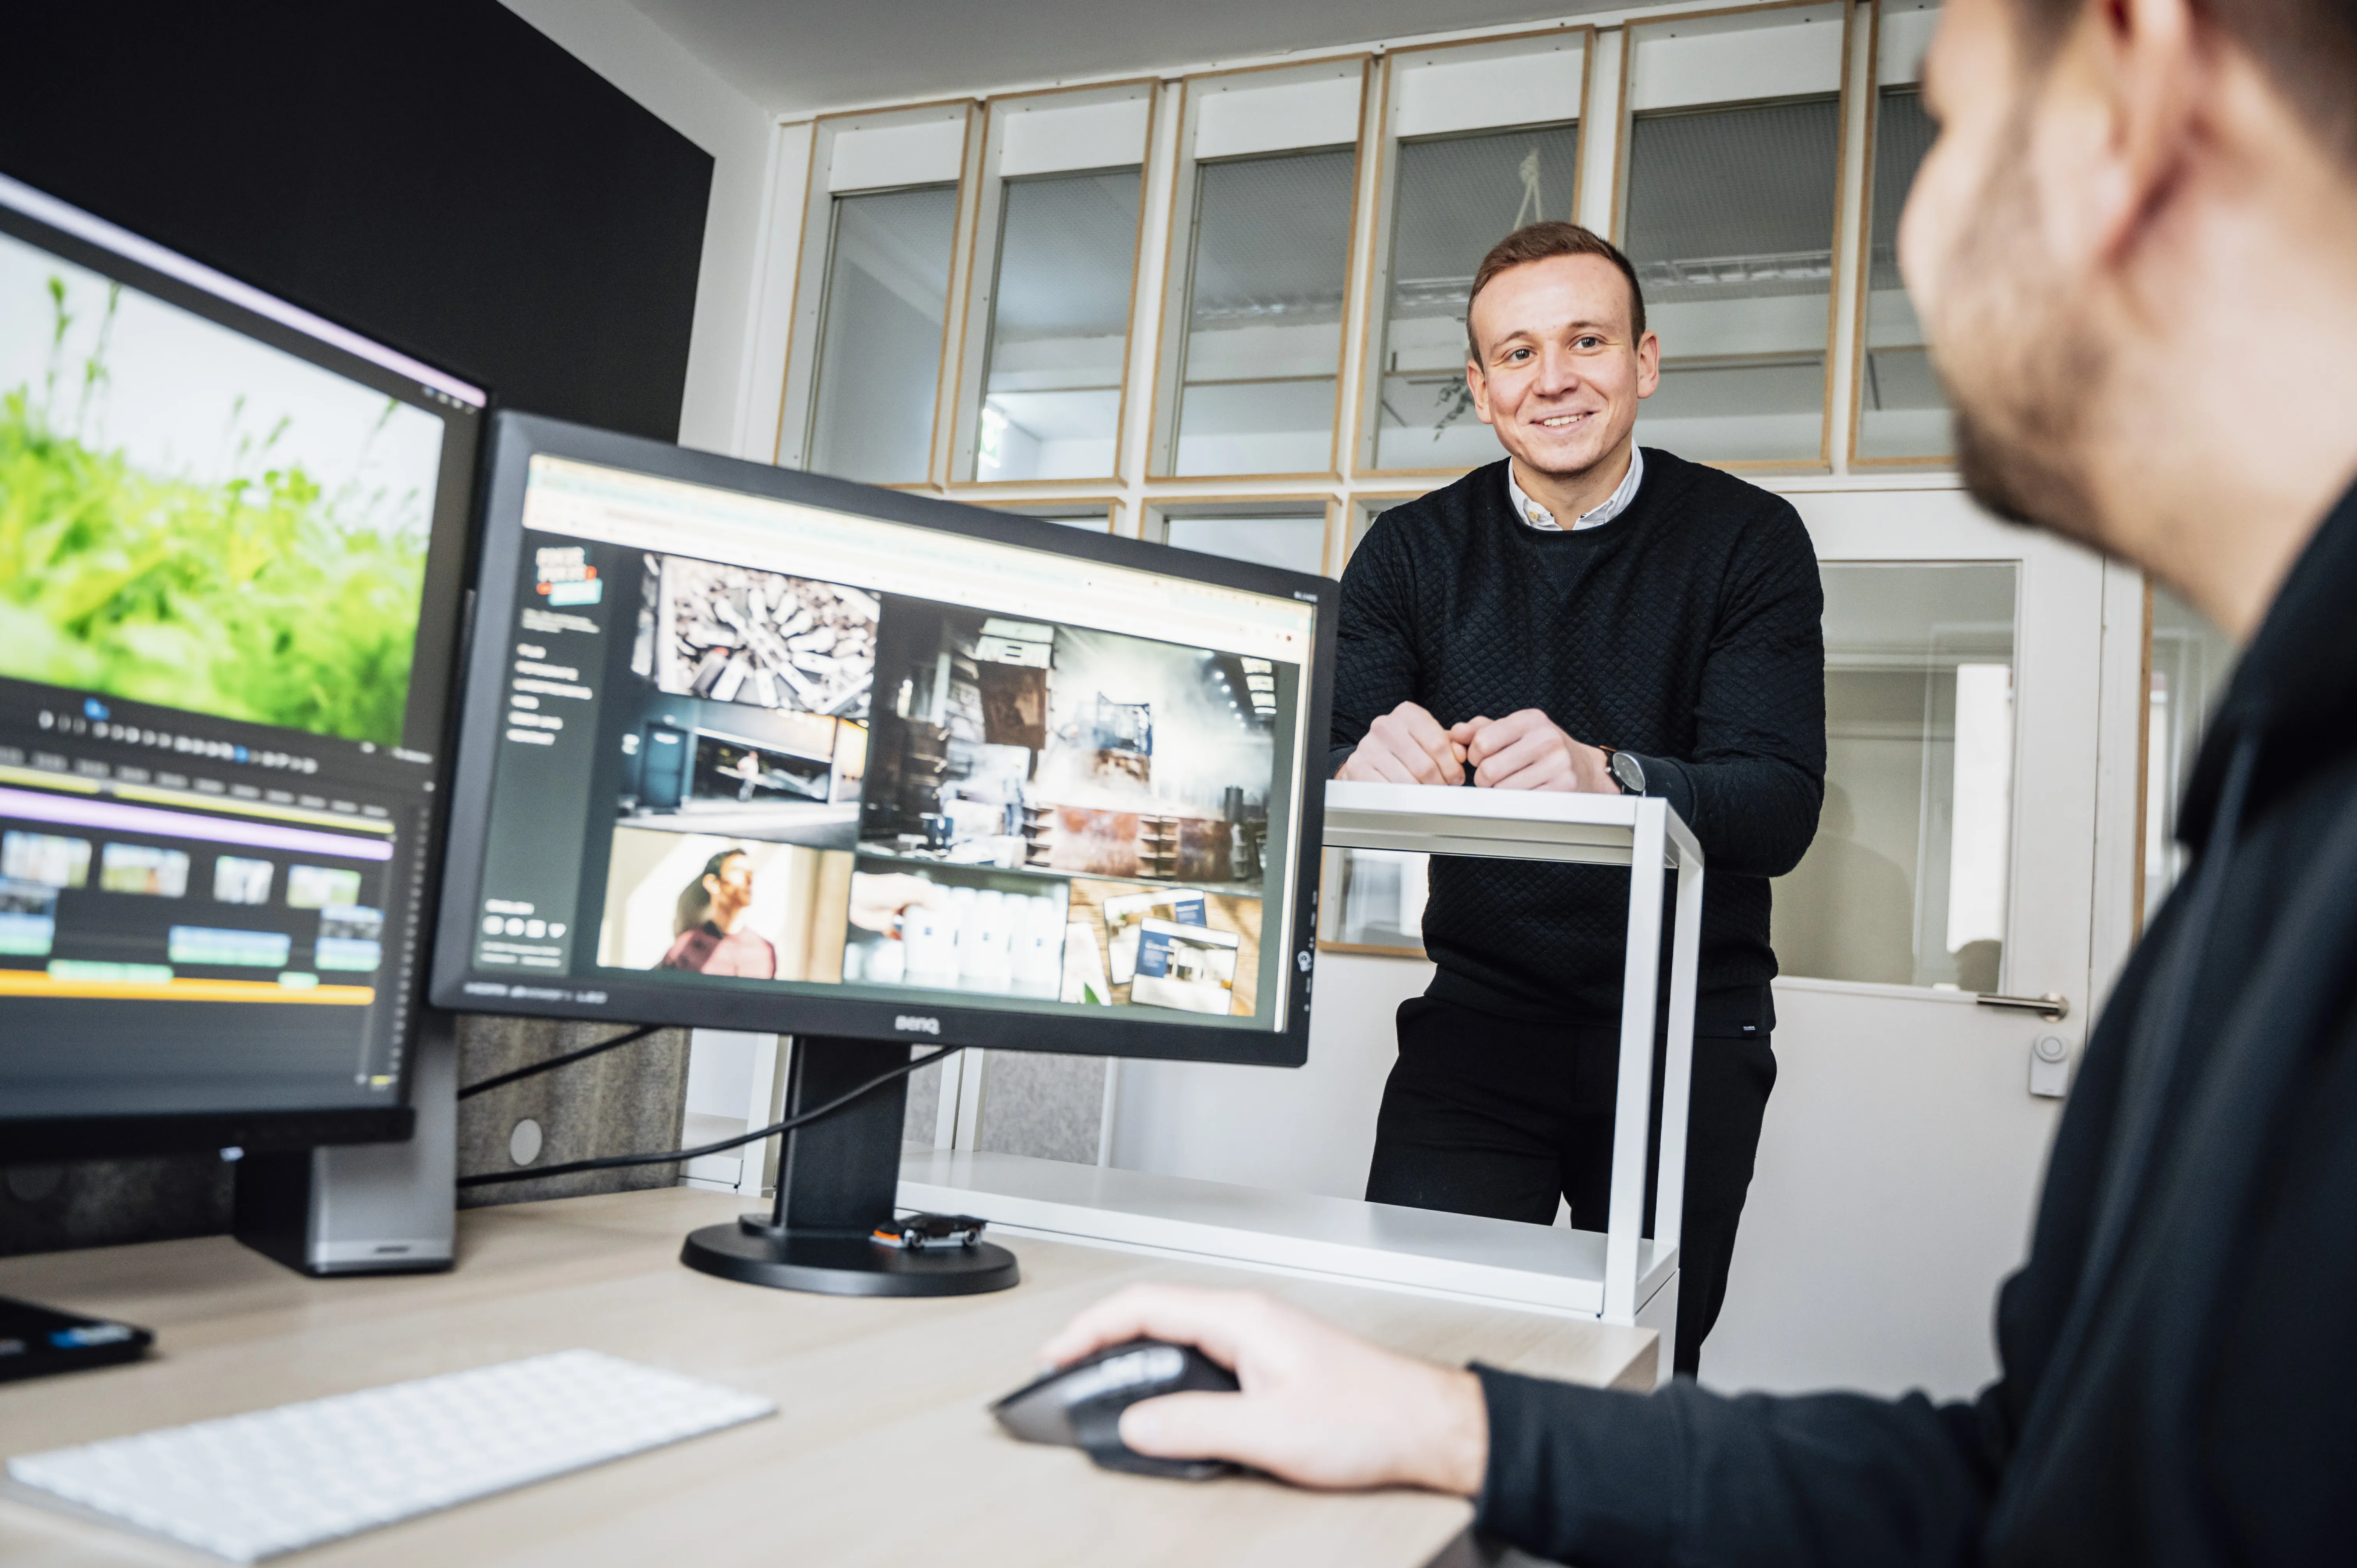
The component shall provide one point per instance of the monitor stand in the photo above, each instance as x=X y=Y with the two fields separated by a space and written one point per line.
x=836 y=1181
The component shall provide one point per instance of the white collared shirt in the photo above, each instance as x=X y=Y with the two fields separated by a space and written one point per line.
x=1613 y=505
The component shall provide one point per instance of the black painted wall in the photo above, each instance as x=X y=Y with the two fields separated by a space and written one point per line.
x=434 y=173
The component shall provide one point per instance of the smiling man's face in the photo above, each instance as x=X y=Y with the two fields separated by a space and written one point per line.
x=1561 y=369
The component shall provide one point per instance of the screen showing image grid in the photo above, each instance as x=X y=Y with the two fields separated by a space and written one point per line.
x=806 y=749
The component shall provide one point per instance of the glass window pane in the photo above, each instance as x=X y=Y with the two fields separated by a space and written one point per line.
x=1454 y=200
x=1059 y=327
x=1297 y=541
x=1906 y=884
x=879 y=356
x=2191 y=663
x=1730 y=224
x=1272 y=251
x=1901 y=411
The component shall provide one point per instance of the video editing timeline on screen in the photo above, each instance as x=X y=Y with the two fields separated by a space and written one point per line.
x=152 y=855
x=764 y=745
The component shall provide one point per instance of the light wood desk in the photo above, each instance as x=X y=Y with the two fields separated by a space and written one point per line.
x=881 y=1452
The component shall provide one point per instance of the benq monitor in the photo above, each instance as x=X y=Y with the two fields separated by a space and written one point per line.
x=753 y=748
x=232 y=551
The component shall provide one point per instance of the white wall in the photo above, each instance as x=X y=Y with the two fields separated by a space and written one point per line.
x=626 y=49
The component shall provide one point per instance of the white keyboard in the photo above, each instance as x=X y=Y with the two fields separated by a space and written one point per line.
x=251 y=1487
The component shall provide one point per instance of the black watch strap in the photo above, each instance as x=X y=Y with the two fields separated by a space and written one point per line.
x=1626 y=770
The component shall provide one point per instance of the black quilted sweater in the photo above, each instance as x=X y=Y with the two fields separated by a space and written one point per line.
x=1686 y=630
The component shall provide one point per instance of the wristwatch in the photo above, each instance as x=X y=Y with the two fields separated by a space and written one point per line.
x=1627 y=771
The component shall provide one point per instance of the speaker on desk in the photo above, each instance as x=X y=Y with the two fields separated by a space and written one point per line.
x=366 y=1208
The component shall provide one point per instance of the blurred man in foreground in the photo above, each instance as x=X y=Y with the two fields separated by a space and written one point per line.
x=2134 y=246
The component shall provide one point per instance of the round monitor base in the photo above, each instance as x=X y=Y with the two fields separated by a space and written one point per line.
x=846 y=1265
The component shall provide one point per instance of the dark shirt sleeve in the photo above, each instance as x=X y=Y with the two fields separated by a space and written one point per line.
x=1683 y=1476
x=1375 y=659
x=1753 y=788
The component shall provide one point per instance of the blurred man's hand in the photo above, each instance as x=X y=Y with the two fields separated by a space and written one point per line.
x=1319 y=1407
x=1406 y=745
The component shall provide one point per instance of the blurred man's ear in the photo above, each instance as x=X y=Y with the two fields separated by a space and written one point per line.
x=2144 y=61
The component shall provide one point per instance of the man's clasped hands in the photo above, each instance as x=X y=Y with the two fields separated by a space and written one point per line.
x=1525 y=750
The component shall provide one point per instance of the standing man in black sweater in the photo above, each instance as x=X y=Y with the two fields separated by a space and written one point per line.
x=1582 y=616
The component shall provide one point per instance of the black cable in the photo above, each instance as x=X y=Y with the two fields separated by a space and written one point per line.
x=640 y=1033
x=613 y=1162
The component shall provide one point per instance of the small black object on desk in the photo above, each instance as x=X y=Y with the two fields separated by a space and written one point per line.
x=37 y=1340
x=1081 y=1404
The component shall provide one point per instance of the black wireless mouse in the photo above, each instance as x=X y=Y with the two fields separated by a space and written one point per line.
x=1082 y=1404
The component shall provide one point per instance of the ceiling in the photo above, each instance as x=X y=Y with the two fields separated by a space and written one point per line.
x=793 y=56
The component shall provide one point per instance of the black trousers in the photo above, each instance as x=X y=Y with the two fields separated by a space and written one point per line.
x=1495 y=1116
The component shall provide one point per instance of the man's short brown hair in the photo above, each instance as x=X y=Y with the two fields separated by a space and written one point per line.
x=1542 y=242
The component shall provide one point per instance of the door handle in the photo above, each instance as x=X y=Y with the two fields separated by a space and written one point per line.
x=2050 y=1005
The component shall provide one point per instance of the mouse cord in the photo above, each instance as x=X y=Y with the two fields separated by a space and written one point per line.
x=624 y=1038
x=803 y=1119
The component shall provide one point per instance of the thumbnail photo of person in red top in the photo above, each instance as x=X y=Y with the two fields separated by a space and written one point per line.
x=714 y=938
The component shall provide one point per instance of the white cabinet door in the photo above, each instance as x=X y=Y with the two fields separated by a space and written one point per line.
x=1958 y=854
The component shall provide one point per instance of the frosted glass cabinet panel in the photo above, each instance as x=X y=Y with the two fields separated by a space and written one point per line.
x=880 y=357
x=1903 y=413
x=1059 y=327
x=1730 y=225
x=1375 y=901
x=1908 y=880
x=1293 y=538
x=1729 y=193
x=1453 y=198
x=1266 y=272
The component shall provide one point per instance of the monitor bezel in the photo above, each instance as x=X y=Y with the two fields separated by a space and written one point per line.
x=923 y=1017
x=83 y=238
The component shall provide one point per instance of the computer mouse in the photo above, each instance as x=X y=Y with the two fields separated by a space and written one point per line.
x=1082 y=1404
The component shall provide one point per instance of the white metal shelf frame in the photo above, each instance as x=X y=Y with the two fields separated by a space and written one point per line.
x=1595 y=830
x=1620 y=1277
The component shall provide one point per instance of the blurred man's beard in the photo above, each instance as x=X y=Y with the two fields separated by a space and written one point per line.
x=2023 y=404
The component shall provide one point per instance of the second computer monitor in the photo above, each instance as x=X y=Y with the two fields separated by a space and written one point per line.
x=754 y=749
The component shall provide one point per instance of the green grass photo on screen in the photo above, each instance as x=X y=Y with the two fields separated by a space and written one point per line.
x=194 y=519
